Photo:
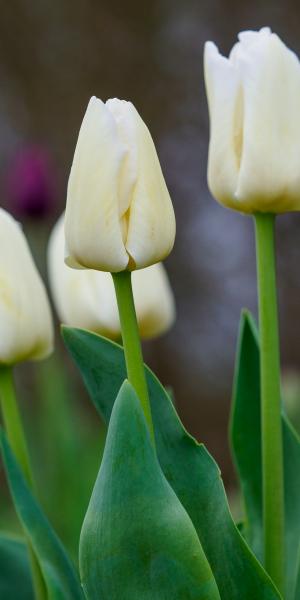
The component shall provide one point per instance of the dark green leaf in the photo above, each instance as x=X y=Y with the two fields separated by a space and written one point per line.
x=15 y=575
x=246 y=445
x=137 y=541
x=246 y=430
x=296 y=593
x=188 y=467
x=60 y=577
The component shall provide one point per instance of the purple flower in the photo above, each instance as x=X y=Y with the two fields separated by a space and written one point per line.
x=31 y=183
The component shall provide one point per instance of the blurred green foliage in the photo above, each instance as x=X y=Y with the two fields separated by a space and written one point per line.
x=66 y=446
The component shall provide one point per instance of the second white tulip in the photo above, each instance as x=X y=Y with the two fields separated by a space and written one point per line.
x=86 y=298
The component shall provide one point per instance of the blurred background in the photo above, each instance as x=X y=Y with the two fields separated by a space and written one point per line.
x=54 y=55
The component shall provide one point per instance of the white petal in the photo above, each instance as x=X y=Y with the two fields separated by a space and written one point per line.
x=92 y=226
x=269 y=177
x=25 y=317
x=223 y=92
x=248 y=38
x=86 y=298
x=83 y=298
x=151 y=226
x=125 y=123
x=154 y=301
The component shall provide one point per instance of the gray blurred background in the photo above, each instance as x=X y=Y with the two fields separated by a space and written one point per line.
x=55 y=54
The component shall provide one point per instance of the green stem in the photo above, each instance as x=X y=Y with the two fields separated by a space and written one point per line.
x=131 y=342
x=17 y=441
x=13 y=423
x=272 y=445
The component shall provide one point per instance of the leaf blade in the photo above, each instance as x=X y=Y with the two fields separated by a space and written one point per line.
x=102 y=366
x=246 y=446
x=137 y=540
x=15 y=576
x=58 y=572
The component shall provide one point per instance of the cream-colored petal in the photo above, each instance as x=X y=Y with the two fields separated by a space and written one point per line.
x=25 y=317
x=151 y=226
x=86 y=298
x=125 y=123
x=246 y=40
x=92 y=225
x=269 y=178
x=225 y=104
x=154 y=300
x=82 y=298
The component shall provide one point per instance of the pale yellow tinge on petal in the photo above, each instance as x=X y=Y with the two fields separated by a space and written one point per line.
x=125 y=124
x=93 y=231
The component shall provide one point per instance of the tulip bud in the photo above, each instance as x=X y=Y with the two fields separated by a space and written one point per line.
x=119 y=213
x=254 y=98
x=86 y=298
x=25 y=317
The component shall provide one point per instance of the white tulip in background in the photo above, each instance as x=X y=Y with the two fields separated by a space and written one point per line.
x=25 y=317
x=86 y=298
x=254 y=106
x=119 y=212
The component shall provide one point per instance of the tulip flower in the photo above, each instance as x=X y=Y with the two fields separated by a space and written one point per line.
x=254 y=167
x=25 y=317
x=254 y=98
x=119 y=214
x=26 y=333
x=87 y=299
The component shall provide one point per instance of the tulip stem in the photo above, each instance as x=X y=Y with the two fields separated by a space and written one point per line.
x=131 y=342
x=16 y=437
x=271 y=429
x=13 y=423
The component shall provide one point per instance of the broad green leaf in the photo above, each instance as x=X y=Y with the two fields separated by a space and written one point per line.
x=59 y=574
x=137 y=540
x=189 y=468
x=246 y=445
x=15 y=575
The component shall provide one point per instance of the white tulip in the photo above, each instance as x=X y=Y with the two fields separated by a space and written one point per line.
x=26 y=330
x=254 y=106
x=119 y=214
x=154 y=300
x=86 y=298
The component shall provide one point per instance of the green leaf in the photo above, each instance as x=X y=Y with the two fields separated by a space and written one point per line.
x=137 y=540
x=246 y=445
x=245 y=430
x=189 y=468
x=296 y=593
x=60 y=577
x=15 y=575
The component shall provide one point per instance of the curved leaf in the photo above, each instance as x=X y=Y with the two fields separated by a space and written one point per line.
x=189 y=468
x=137 y=540
x=246 y=446
x=15 y=575
x=59 y=574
